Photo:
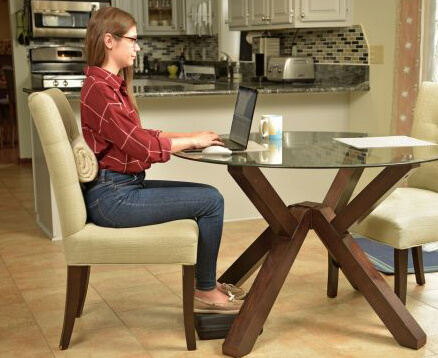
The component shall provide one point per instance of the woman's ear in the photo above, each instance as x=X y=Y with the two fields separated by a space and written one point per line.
x=108 y=41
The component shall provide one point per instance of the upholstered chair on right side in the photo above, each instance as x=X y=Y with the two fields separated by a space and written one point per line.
x=408 y=217
x=86 y=244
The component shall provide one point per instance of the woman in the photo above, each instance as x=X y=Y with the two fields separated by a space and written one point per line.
x=120 y=196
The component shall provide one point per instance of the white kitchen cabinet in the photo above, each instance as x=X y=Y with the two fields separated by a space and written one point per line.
x=197 y=23
x=281 y=12
x=238 y=15
x=164 y=17
x=323 y=13
x=250 y=15
x=270 y=12
x=258 y=10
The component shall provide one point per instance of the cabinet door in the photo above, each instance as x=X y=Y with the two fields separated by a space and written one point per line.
x=281 y=12
x=193 y=26
x=258 y=12
x=135 y=8
x=238 y=13
x=323 y=11
x=161 y=16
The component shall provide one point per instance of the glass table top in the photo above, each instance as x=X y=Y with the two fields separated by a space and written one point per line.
x=316 y=150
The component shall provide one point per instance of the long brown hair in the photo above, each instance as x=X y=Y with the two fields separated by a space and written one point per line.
x=114 y=21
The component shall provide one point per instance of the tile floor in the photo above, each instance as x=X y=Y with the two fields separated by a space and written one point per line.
x=136 y=311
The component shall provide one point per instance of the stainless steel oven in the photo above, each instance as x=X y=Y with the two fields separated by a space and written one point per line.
x=57 y=66
x=63 y=18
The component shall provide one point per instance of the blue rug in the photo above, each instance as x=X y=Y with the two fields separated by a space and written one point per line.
x=382 y=256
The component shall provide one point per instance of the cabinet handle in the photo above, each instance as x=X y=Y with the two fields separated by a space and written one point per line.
x=303 y=15
x=268 y=18
x=263 y=18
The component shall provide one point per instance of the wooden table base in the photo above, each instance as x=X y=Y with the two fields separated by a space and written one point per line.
x=277 y=247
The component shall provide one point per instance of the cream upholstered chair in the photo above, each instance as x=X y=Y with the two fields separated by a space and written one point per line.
x=408 y=217
x=86 y=244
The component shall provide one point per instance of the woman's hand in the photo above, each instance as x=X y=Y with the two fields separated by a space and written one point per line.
x=205 y=139
x=195 y=140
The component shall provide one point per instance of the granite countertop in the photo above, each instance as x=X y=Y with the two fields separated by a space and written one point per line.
x=329 y=78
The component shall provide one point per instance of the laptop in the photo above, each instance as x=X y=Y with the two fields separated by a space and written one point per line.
x=242 y=120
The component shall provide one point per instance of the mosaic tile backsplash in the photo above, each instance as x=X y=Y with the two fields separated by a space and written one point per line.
x=335 y=45
x=339 y=45
x=167 y=48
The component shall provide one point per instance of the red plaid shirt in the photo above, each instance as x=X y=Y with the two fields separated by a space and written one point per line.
x=112 y=128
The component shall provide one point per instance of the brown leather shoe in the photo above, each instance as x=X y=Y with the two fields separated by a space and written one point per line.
x=230 y=307
x=228 y=289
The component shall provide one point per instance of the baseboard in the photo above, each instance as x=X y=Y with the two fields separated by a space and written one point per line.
x=24 y=161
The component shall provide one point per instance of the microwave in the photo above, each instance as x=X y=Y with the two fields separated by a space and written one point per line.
x=62 y=18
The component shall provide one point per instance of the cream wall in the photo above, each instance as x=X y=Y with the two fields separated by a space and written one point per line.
x=372 y=111
x=229 y=41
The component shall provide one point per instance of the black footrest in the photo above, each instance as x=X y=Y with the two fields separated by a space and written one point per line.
x=213 y=326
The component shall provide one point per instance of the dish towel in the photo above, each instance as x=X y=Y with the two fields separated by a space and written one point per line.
x=86 y=162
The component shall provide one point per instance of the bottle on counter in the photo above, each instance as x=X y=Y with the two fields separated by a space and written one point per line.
x=137 y=63
x=237 y=75
x=182 y=61
x=140 y=62
x=145 y=64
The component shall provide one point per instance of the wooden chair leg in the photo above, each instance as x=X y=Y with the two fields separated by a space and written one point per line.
x=333 y=277
x=85 y=276
x=74 y=279
x=401 y=273
x=188 y=274
x=417 y=256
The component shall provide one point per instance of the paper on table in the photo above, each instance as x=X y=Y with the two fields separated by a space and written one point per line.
x=384 y=142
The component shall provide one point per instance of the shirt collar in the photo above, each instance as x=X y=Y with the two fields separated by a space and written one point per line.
x=112 y=79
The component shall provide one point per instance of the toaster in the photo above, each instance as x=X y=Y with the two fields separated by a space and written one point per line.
x=291 y=69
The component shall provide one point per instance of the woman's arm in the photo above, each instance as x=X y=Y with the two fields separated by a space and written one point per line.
x=182 y=135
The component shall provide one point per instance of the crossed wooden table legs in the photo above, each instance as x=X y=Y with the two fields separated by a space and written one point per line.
x=277 y=247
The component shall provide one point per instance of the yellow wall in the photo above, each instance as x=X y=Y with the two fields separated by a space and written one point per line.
x=371 y=112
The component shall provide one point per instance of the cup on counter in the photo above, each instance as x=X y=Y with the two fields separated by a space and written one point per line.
x=271 y=125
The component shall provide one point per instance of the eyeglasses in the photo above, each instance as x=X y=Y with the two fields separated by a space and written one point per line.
x=134 y=40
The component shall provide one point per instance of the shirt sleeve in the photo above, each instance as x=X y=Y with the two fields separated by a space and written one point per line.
x=154 y=132
x=113 y=121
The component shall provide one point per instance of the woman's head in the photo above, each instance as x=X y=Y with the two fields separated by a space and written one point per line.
x=111 y=36
x=111 y=39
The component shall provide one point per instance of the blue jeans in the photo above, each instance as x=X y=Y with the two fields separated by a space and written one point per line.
x=127 y=200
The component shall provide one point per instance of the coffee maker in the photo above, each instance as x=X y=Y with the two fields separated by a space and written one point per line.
x=263 y=48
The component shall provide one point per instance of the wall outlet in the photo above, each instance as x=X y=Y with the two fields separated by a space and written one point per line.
x=377 y=54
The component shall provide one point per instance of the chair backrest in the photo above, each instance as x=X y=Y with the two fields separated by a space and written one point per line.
x=426 y=127
x=57 y=128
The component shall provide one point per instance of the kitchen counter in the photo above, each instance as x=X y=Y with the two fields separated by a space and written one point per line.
x=329 y=78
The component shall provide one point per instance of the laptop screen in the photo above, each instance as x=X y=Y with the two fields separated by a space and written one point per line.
x=243 y=113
